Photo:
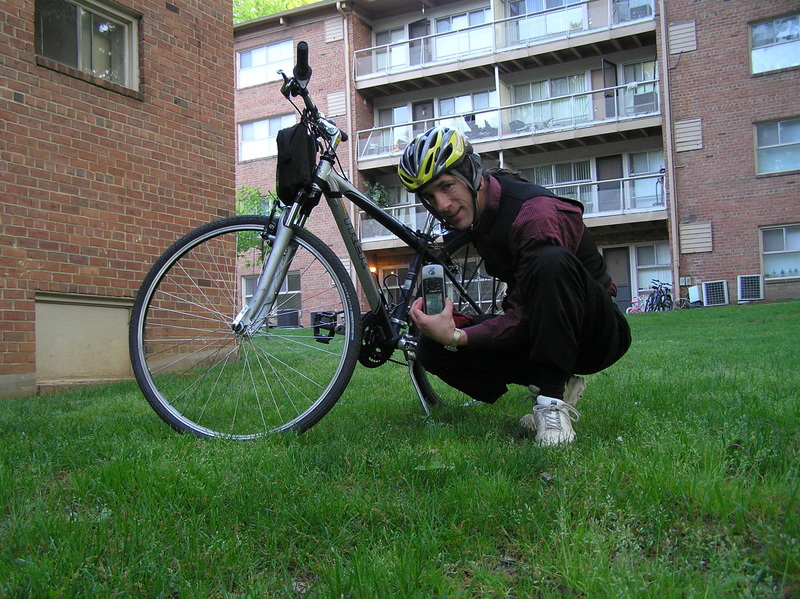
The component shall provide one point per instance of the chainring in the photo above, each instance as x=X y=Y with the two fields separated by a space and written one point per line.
x=375 y=348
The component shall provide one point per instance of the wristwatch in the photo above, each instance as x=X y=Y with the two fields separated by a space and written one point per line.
x=453 y=345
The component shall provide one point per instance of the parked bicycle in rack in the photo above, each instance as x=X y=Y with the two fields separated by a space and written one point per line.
x=660 y=299
x=212 y=364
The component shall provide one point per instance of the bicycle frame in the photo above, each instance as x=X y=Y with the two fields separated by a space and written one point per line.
x=336 y=187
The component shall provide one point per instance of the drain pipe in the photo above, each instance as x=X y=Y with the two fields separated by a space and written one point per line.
x=340 y=6
x=674 y=232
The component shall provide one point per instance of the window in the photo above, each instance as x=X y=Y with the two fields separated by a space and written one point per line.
x=780 y=248
x=460 y=34
x=558 y=177
x=390 y=56
x=92 y=37
x=258 y=139
x=394 y=138
x=392 y=279
x=646 y=192
x=775 y=44
x=260 y=65
x=288 y=304
x=652 y=262
x=471 y=114
x=778 y=146
x=639 y=97
x=533 y=19
x=572 y=107
x=526 y=7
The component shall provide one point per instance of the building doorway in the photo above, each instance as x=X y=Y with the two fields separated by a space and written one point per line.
x=618 y=262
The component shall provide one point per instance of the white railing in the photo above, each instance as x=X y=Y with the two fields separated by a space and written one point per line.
x=643 y=193
x=612 y=104
x=499 y=35
x=411 y=215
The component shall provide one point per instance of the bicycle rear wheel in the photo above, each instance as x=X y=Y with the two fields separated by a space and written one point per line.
x=483 y=295
x=202 y=377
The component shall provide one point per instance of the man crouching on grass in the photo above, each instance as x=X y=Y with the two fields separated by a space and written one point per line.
x=559 y=318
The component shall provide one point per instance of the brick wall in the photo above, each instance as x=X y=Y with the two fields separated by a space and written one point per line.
x=97 y=180
x=328 y=61
x=718 y=183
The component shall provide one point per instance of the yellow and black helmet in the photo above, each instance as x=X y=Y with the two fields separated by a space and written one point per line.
x=437 y=151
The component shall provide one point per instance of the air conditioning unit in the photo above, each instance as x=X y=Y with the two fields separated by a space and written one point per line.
x=715 y=293
x=751 y=288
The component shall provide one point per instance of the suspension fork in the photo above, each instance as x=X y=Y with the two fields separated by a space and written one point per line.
x=252 y=315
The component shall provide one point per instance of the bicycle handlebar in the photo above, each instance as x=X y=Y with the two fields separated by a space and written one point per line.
x=302 y=71
x=298 y=86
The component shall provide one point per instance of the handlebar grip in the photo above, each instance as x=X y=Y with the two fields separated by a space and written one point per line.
x=302 y=72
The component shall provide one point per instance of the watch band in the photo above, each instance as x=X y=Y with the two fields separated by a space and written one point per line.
x=453 y=345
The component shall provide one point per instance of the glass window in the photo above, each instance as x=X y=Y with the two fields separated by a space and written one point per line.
x=526 y=7
x=646 y=162
x=652 y=262
x=780 y=248
x=91 y=37
x=260 y=65
x=775 y=44
x=258 y=139
x=778 y=146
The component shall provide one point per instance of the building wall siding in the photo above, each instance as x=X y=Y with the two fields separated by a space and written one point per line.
x=718 y=183
x=97 y=183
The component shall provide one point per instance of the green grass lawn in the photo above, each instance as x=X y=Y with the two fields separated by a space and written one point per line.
x=683 y=482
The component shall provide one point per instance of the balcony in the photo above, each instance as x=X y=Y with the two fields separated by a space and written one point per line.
x=373 y=234
x=589 y=28
x=521 y=125
x=609 y=202
x=617 y=197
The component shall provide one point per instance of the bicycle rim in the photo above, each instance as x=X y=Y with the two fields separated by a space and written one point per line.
x=201 y=377
x=483 y=294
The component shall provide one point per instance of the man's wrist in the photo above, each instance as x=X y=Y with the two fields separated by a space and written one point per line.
x=453 y=345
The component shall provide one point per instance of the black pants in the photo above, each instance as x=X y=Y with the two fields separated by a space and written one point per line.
x=574 y=328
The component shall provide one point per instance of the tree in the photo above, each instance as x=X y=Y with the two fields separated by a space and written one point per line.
x=251 y=200
x=246 y=10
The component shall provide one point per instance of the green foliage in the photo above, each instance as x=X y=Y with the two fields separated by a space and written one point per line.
x=684 y=481
x=378 y=193
x=246 y=10
x=251 y=200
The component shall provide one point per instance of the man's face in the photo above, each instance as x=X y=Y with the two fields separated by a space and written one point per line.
x=452 y=199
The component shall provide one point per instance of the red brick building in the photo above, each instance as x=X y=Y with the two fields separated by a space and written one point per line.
x=116 y=139
x=734 y=100
x=676 y=123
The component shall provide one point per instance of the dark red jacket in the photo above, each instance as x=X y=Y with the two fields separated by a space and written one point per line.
x=541 y=220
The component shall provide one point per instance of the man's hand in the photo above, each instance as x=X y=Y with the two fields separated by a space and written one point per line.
x=438 y=327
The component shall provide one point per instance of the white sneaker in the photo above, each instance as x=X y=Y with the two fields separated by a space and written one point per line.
x=574 y=389
x=552 y=421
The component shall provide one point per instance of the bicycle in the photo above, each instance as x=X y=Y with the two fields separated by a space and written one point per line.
x=636 y=306
x=209 y=366
x=660 y=300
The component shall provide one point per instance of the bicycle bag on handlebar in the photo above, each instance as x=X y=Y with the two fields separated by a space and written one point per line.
x=297 y=157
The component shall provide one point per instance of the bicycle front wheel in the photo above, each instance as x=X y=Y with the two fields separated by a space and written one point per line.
x=202 y=377
x=482 y=294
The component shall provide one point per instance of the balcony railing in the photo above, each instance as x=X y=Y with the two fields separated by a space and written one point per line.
x=643 y=193
x=411 y=215
x=498 y=36
x=612 y=104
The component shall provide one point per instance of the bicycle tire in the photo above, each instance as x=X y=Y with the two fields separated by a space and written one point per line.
x=201 y=377
x=486 y=292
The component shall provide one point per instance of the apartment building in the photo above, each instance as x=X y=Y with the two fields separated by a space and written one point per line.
x=674 y=123
x=117 y=138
